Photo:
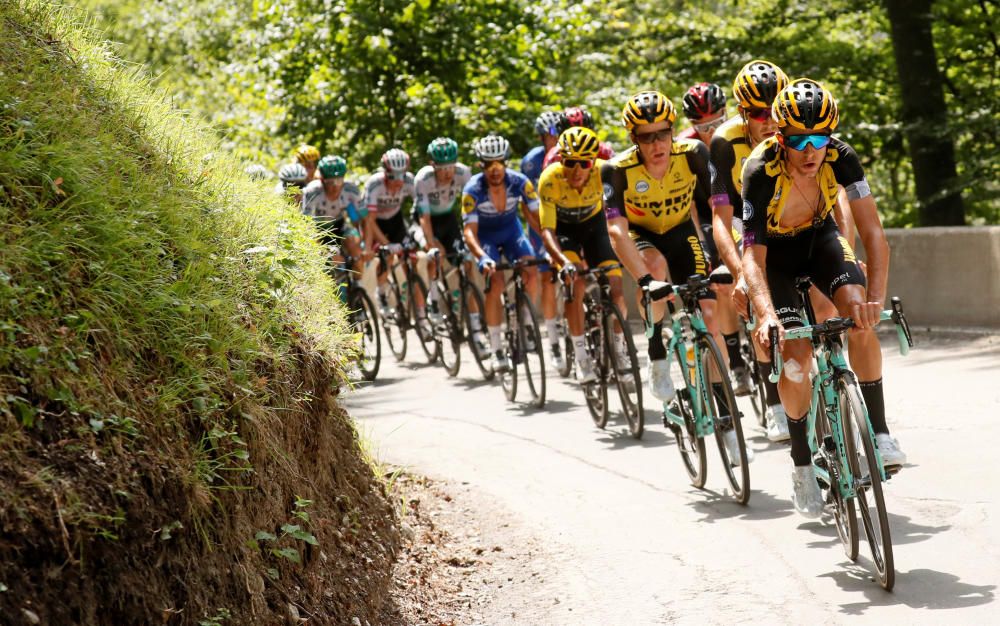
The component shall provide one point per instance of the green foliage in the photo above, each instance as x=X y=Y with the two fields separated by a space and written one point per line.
x=358 y=76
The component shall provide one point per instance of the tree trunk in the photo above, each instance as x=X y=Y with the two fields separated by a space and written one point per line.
x=925 y=120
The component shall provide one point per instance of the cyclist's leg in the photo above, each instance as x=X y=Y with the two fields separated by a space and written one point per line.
x=518 y=247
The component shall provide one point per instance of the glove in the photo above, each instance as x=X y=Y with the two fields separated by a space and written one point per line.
x=566 y=272
x=484 y=263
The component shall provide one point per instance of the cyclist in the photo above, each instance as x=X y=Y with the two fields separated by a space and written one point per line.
x=648 y=194
x=547 y=127
x=704 y=105
x=333 y=204
x=291 y=177
x=754 y=88
x=257 y=172
x=308 y=156
x=490 y=203
x=576 y=116
x=385 y=192
x=790 y=189
x=438 y=188
x=574 y=228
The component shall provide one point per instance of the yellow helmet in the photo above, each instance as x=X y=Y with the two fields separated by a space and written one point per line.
x=648 y=107
x=307 y=154
x=807 y=105
x=579 y=142
x=758 y=83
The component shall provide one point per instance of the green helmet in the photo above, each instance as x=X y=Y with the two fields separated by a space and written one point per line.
x=443 y=150
x=332 y=167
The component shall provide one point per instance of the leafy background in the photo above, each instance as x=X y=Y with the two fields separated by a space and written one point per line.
x=357 y=76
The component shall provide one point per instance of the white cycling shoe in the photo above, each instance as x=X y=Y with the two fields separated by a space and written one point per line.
x=777 y=424
x=733 y=448
x=806 y=496
x=585 y=372
x=889 y=449
x=660 y=384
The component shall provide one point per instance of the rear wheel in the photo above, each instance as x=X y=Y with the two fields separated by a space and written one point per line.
x=845 y=514
x=689 y=444
x=473 y=305
x=624 y=368
x=422 y=326
x=396 y=320
x=363 y=320
x=720 y=403
x=508 y=380
x=531 y=350
x=449 y=330
x=596 y=393
x=868 y=478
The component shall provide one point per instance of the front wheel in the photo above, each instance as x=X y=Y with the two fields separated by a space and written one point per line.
x=868 y=480
x=448 y=330
x=473 y=316
x=690 y=445
x=624 y=367
x=395 y=318
x=363 y=321
x=508 y=380
x=531 y=350
x=596 y=393
x=845 y=515
x=428 y=342
x=720 y=402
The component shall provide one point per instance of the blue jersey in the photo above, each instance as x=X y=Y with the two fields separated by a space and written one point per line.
x=531 y=164
x=478 y=208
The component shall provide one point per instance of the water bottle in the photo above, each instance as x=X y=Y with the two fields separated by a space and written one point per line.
x=690 y=362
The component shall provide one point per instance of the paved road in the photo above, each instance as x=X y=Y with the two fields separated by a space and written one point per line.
x=629 y=541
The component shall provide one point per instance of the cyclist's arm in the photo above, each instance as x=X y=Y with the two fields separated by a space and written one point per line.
x=724 y=199
x=471 y=233
x=377 y=235
x=758 y=190
x=614 y=183
x=425 y=225
x=844 y=217
x=876 y=246
x=552 y=245
x=699 y=164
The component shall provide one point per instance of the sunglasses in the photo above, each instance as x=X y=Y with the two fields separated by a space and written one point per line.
x=488 y=165
x=585 y=164
x=395 y=175
x=333 y=182
x=444 y=166
x=759 y=115
x=658 y=135
x=799 y=142
x=707 y=126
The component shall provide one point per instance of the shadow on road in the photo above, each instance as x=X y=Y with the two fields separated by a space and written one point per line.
x=903 y=530
x=715 y=506
x=618 y=437
x=917 y=589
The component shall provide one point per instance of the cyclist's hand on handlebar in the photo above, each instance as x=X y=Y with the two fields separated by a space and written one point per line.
x=567 y=272
x=763 y=332
x=487 y=266
x=866 y=314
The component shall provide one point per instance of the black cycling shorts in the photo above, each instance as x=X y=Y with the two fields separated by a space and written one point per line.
x=393 y=228
x=447 y=231
x=589 y=237
x=680 y=247
x=822 y=254
x=708 y=245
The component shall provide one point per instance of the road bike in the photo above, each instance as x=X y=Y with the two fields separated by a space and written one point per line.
x=705 y=404
x=362 y=317
x=400 y=304
x=456 y=308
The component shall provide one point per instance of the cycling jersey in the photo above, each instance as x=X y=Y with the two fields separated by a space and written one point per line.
x=605 y=152
x=729 y=151
x=562 y=203
x=767 y=185
x=531 y=164
x=377 y=198
x=317 y=205
x=657 y=205
x=439 y=199
x=499 y=228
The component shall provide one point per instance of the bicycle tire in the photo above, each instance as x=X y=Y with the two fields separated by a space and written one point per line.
x=449 y=331
x=758 y=393
x=569 y=357
x=845 y=514
x=869 y=490
x=532 y=360
x=629 y=395
x=508 y=380
x=471 y=293
x=595 y=393
x=363 y=318
x=397 y=322
x=428 y=342
x=690 y=446
x=737 y=473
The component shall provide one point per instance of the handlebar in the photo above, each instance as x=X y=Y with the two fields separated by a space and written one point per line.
x=517 y=266
x=590 y=271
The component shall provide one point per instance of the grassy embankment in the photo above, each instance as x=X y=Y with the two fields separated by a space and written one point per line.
x=171 y=449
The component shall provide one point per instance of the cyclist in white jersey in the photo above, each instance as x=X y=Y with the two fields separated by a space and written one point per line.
x=333 y=204
x=385 y=192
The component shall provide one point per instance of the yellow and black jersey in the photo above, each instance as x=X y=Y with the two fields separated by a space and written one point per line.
x=767 y=185
x=657 y=205
x=729 y=151
x=562 y=203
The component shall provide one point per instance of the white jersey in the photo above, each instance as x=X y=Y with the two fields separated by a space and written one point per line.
x=315 y=204
x=439 y=199
x=380 y=202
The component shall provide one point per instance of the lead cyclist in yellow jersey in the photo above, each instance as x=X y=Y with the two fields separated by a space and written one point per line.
x=648 y=193
x=575 y=230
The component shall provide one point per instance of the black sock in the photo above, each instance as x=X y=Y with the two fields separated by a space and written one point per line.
x=657 y=350
x=720 y=400
x=770 y=389
x=875 y=401
x=799 y=432
x=733 y=348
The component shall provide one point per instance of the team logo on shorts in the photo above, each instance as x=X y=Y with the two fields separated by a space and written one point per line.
x=608 y=191
x=747 y=211
x=641 y=186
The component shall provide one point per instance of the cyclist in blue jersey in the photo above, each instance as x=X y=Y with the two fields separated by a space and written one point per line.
x=547 y=127
x=490 y=203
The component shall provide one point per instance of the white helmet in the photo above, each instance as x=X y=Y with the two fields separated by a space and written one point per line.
x=395 y=161
x=492 y=148
x=292 y=173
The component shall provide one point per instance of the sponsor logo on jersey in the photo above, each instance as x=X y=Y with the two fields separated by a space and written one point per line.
x=468 y=203
x=747 y=211
x=608 y=191
x=641 y=187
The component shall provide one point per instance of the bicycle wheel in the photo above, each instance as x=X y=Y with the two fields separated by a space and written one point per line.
x=569 y=357
x=473 y=298
x=508 y=380
x=845 y=514
x=362 y=318
x=396 y=320
x=868 y=479
x=758 y=397
x=720 y=404
x=448 y=331
x=425 y=334
x=624 y=367
x=596 y=393
x=689 y=444
x=531 y=350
